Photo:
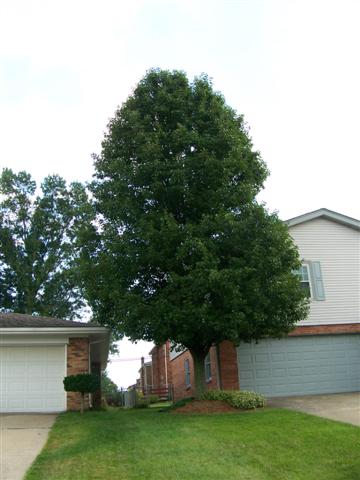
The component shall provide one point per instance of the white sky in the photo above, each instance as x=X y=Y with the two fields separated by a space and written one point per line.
x=291 y=67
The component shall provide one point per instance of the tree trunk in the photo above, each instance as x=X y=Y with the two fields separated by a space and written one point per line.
x=199 y=373
x=82 y=403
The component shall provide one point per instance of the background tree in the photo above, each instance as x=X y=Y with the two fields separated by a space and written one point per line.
x=108 y=387
x=39 y=245
x=110 y=391
x=184 y=251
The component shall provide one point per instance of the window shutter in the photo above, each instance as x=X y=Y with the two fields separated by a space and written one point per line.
x=187 y=373
x=317 y=281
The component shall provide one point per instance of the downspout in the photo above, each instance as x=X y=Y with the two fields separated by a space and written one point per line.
x=142 y=375
x=152 y=372
x=166 y=373
x=218 y=367
x=89 y=371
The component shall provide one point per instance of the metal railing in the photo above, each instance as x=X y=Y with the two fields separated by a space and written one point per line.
x=146 y=393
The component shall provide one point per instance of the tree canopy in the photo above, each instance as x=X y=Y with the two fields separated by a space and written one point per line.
x=184 y=250
x=39 y=245
x=108 y=387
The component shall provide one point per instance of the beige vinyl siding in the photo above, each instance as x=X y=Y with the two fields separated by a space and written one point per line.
x=337 y=248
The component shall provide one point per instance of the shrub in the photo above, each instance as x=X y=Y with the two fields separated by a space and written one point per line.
x=82 y=383
x=139 y=395
x=141 y=403
x=237 y=399
x=153 y=398
x=114 y=399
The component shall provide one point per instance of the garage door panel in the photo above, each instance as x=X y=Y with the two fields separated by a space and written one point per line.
x=328 y=355
x=31 y=378
x=247 y=374
x=339 y=354
x=35 y=370
x=294 y=356
x=294 y=371
x=301 y=365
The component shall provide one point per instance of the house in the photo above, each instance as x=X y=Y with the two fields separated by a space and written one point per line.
x=322 y=354
x=145 y=375
x=36 y=353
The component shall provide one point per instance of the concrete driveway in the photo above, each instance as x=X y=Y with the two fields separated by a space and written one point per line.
x=343 y=407
x=21 y=439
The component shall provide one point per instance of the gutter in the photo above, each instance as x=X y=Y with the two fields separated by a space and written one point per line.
x=62 y=330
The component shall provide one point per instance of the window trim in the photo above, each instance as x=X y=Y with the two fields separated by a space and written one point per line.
x=187 y=373
x=309 y=281
x=207 y=365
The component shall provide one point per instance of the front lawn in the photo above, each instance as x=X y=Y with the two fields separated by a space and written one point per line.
x=147 y=444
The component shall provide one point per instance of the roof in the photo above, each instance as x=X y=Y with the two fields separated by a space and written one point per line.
x=328 y=215
x=20 y=325
x=21 y=320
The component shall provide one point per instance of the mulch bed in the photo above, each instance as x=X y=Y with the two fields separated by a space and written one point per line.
x=206 y=406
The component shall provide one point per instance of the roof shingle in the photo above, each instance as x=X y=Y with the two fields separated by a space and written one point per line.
x=21 y=320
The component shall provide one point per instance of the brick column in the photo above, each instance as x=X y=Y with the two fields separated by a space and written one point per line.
x=228 y=366
x=77 y=362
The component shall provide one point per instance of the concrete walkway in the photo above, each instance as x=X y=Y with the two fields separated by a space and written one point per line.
x=21 y=439
x=343 y=407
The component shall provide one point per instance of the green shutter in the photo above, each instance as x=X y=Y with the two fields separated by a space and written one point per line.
x=317 y=281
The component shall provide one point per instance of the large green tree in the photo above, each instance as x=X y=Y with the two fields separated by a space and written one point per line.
x=184 y=251
x=39 y=246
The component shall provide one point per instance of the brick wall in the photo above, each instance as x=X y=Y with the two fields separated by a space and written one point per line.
x=178 y=376
x=228 y=366
x=326 y=329
x=228 y=371
x=145 y=375
x=77 y=362
x=161 y=369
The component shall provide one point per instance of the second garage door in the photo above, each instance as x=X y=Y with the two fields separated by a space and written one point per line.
x=301 y=365
x=31 y=379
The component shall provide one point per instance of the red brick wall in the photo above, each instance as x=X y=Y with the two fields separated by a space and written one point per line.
x=161 y=368
x=146 y=375
x=228 y=366
x=214 y=382
x=77 y=362
x=156 y=365
x=228 y=370
x=326 y=329
x=178 y=376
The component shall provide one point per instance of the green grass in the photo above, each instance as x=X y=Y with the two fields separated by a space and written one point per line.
x=147 y=444
x=162 y=404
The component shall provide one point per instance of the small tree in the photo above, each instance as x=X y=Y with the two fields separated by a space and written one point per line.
x=82 y=383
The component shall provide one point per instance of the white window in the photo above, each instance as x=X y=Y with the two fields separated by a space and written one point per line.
x=208 y=367
x=304 y=276
x=311 y=280
x=187 y=373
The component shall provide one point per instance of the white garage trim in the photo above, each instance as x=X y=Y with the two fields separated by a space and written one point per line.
x=65 y=372
x=8 y=340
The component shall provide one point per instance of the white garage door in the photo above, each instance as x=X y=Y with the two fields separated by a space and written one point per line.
x=31 y=379
x=301 y=365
